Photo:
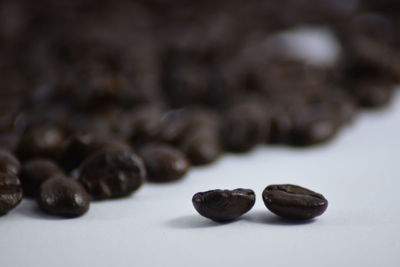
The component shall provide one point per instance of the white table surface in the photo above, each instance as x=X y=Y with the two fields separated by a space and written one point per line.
x=359 y=173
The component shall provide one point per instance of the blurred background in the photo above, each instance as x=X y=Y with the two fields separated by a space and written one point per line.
x=205 y=78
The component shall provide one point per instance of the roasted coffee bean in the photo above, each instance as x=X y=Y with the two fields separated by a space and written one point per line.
x=202 y=146
x=178 y=124
x=10 y=192
x=281 y=124
x=294 y=202
x=313 y=127
x=40 y=141
x=184 y=82
x=9 y=141
x=164 y=163
x=76 y=149
x=373 y=94
x=146 y=124
x=224 y=205
x=36 y=171
x=79 y=146
x=244 y=126
x=9 y=163
x=112 y=173
x=63 y=197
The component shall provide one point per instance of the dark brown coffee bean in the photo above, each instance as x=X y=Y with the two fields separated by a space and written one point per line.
x=9 y=163
x=164 y=163
x=63 y=197
x=294 y=202
x=146 y=124
x=10 y=192
x=372 y=94
x=76 y=149
x=244 y=126
x=79 y=146
x=9 y=141
x=313 y=127
x=175 y=124
x=184 y=82
x=112 y=173
x=202 y=146
x=224 y=205
x=36 y=171
x=40 y=141
x=281 y=124
x=178 y=124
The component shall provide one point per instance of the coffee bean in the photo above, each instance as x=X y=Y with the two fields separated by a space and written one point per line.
x=10 y=192
x=178 y=124
x=9 y=163
x=40 y=141
x=313 y=127
x=36 y=171
x=373 y=94
x=281 y=124
x=63 y=197
x=202 y=146
x=146 y=124
x=112 y=173
x=9 y=141
x=244 y=126
x=164 y=163
x=224 y=205
x=79 y=146
x=76 y=149
x=294 y=202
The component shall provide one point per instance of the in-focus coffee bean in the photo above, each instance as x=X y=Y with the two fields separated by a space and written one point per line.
x=294 y=202
x=224 y=205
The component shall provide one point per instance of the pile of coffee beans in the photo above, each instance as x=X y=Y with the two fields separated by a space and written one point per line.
x=288 y=201
x=99 y=97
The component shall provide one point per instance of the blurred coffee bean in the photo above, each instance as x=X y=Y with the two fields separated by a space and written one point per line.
x=112 y=173
x=164 y=163
x=294 y=202
x=174 y=125
x=202 y=146
x=36 y=171
x=76 y=149
x=146 y=124
x=224 y=205
x=40 y=141
x=177 y=124
x=372 y=94
x=281 y=124
x=63 y=197
x=80 y=145
x=9 y=163
x=9 y=141
x=10 y=192
x=314 y=126
x=244 y=126
x=185 y=83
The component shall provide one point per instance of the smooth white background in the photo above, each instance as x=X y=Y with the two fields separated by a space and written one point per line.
x=359 y=173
